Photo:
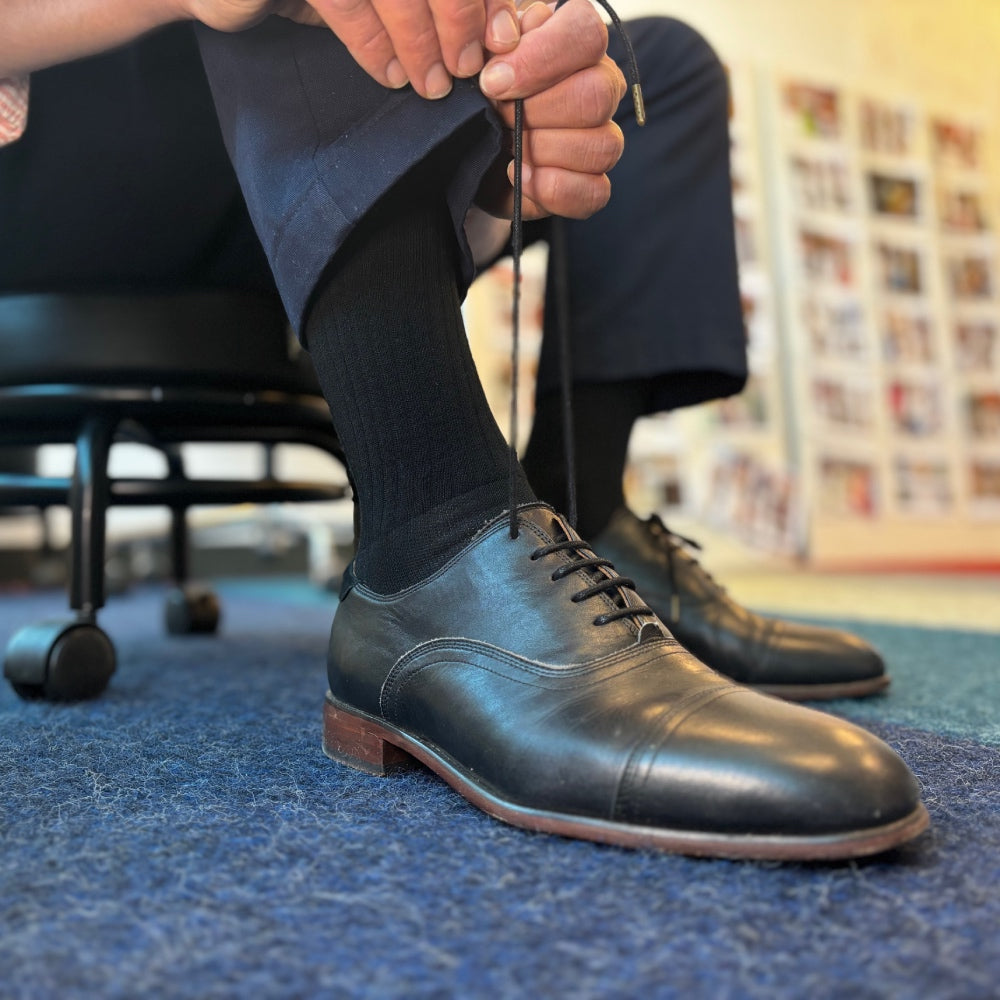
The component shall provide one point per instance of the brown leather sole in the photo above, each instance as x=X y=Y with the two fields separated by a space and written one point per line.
x=371 y=745
x=825 y=692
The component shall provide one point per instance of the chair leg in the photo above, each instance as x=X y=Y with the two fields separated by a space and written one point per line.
x=90 y=495
x=62 y=660
x=189 y=609
x=179 y=537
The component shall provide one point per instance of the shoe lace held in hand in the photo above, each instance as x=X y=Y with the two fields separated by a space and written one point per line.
x=517 y=246
x=613 y=585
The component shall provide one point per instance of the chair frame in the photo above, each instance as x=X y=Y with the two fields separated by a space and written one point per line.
x=93 y=418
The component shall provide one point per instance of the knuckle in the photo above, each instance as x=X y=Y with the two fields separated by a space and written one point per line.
x=617 y=142
x=576 y=196
x=591 y=33
x=463 y=18
x=373 y=44
x=597 y=98
x=620 y=83
x=422 y=42
x=598 y=194
x=606 y=149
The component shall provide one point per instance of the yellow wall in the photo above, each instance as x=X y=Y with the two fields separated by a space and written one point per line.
x=932 y=50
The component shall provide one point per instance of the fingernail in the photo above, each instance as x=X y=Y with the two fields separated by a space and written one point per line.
x=496 y=79
x=438 y=82
x=396 y=75
x=505 y=29
x=470 y=62
x=525 y=172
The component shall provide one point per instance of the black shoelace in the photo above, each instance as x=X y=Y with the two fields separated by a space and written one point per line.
x=517 y=246
x=673 y=542
x=610 y=585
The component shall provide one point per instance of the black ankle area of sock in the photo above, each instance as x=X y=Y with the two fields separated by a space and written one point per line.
x=413 y=550
x=385 y=332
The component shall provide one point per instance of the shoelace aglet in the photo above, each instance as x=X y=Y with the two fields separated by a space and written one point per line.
x=639 y=103
x=675 y=608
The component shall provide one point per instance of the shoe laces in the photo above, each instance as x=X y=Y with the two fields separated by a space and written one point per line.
x=517 y=247
x=611 y=584
x=671 y=542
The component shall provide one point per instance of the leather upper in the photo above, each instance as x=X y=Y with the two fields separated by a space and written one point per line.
x=491 y=664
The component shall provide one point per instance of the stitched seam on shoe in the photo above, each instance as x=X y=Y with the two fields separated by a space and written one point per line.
x=405 y=668
x=539 y=668
x=671 y=720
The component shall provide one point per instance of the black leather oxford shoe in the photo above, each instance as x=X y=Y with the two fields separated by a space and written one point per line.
x=796 y=662
x=531 y=677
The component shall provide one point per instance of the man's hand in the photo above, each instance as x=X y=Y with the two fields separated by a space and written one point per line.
x=422 y=42
x=571 y=90
x=237 y=15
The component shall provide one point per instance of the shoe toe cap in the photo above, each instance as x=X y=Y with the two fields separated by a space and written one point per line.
x=752 y=765
x=809 y=654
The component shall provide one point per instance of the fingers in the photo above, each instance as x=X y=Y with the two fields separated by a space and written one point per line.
x=587 y=151
x=422 y=42
x=570 y=89
x=413 y=34
x=357 y=24
x=565 y=170
x=552 y=191
x=503 y=30
x=585 y=100
x=569 y=40
x=299 y=11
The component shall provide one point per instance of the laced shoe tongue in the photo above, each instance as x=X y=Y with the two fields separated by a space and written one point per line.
x=622 y=593
x=678 y=547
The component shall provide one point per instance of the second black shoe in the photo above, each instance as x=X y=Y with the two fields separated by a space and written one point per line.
x=795 y=661
x=532 y=678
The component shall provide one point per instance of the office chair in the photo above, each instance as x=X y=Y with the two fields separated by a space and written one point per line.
x=158 y=369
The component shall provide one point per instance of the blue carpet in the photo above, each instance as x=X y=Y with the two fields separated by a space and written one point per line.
x=185 y=837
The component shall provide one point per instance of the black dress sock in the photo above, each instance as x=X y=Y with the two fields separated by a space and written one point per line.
x=603 y=416
x=428 y=462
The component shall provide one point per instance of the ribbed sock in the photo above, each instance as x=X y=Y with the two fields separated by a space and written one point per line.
x=603 y=416
x=428 y=462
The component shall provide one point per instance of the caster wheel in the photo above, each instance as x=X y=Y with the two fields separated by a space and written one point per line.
x=60 y=661
x=192 y=611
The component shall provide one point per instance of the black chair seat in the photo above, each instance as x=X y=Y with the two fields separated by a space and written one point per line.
x=190 y=339
x=161 y=370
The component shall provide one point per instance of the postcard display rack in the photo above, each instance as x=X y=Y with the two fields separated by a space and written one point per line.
x=891 y=321
x=733 y=454
x=869 y=431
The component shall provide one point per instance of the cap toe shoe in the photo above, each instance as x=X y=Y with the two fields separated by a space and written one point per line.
x=795 y=661
x=530 y=676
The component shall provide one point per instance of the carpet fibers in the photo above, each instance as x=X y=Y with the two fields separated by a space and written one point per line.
x=184 y=836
